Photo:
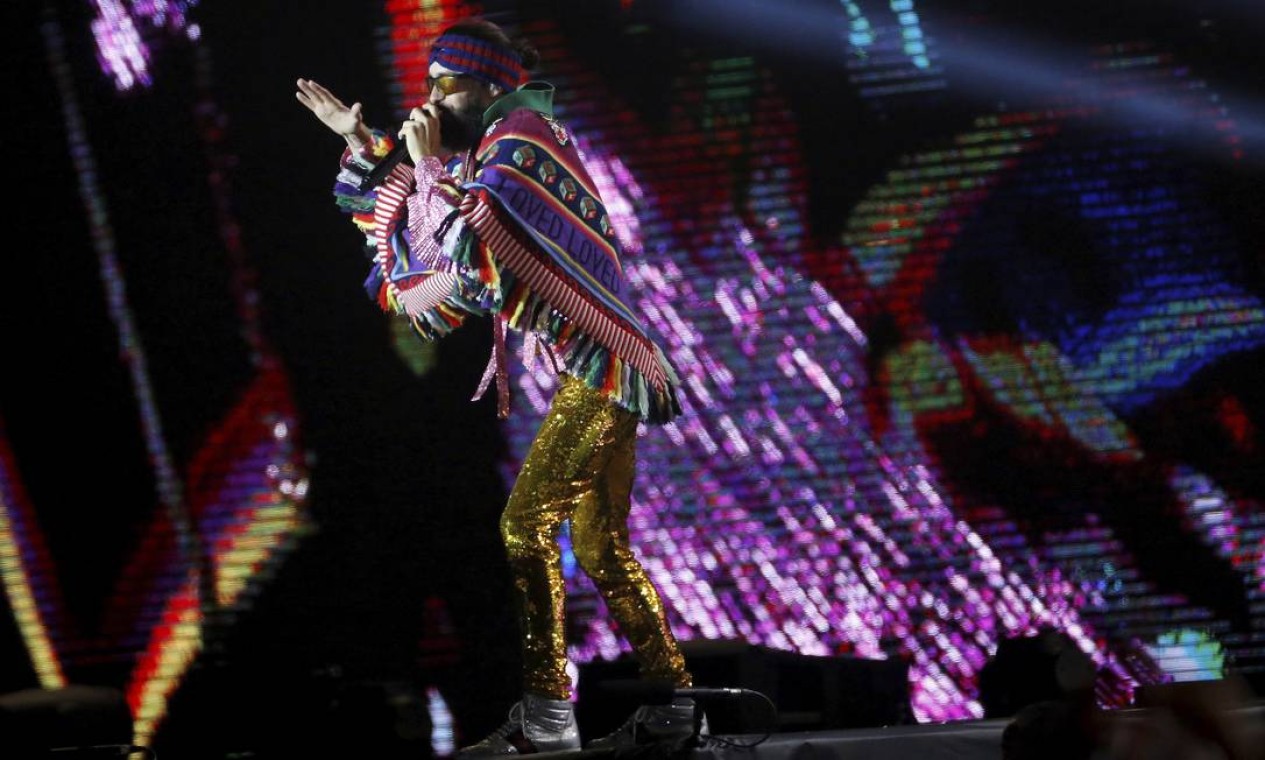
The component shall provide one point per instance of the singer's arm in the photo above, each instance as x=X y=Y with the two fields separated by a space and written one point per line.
x=412 y=272
x=355 y=164
x=410 y=275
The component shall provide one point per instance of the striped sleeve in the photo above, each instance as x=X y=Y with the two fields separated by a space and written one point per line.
x=353 y=167
x=417 y=282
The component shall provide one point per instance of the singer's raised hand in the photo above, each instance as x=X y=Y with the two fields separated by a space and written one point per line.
x=345 y=121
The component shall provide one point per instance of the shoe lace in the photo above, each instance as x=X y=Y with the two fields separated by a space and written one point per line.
x=627 y=728
x=633 y=724
x=513 y=722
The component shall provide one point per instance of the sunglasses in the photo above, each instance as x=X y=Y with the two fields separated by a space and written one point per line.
x=447 y=84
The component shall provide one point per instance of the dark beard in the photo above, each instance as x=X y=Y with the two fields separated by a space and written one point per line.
x=459 y=131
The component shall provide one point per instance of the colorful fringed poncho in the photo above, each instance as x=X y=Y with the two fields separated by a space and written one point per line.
x=525 y=237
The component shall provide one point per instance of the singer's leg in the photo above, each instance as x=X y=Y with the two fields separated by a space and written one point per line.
x=556 y=471
x=599 y=536
x=581 y=466
x=565 y=475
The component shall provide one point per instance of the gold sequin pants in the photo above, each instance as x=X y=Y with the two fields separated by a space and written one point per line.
x=580 y=467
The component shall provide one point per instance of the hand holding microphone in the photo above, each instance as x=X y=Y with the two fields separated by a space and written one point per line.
x=421 y=132
x=419 y=136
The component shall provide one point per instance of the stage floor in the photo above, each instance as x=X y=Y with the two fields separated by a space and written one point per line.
x=965 y=740
x=962 y=740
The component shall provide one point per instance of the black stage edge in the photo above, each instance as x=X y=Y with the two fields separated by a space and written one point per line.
x=1243 y=725
x=965 y=740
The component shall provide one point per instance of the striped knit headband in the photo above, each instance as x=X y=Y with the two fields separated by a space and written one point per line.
x=486 y=61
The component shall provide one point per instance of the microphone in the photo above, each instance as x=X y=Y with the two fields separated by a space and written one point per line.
x=384 y=167
x=662 y=693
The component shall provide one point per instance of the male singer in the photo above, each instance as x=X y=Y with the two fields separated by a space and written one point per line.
x=494 y=214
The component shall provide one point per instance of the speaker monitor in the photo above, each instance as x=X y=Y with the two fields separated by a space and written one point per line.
x=34 y=721
x=810 y=693
x=1045 y=667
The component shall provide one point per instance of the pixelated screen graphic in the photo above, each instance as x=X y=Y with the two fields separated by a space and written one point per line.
x=967 y=303
x=1005 y=395
x=153 y=493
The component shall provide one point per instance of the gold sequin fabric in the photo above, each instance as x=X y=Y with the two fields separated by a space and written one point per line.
x=580 y=468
